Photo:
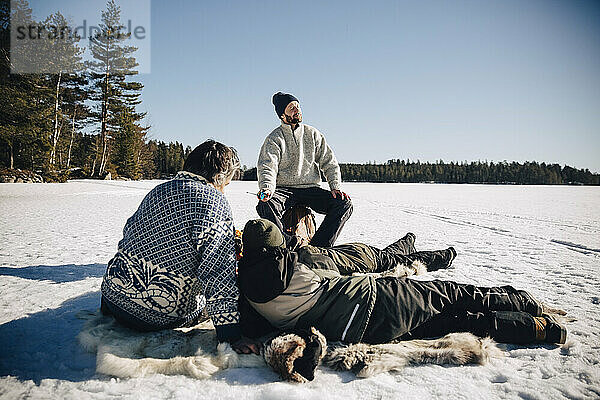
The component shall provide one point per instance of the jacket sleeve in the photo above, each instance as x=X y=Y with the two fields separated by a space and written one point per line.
x=268 y=164
x=314 y=260
x=217 y=268
x=327 y=161
x=252 y=323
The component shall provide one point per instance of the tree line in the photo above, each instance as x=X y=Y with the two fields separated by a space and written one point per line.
x=528 y=173
x=77 y=116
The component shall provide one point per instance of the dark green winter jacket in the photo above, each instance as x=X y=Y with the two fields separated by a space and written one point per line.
x=343 y=311
x=346 y=258
x=278 y=290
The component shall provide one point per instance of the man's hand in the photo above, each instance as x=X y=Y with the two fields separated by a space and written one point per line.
x=264 y=195
x=342 y=195
x=246 y=345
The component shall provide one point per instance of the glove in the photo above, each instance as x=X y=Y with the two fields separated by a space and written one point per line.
x=264 y=194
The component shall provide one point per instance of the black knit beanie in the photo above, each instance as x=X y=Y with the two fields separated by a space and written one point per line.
x=259 y=233
x=281 y=101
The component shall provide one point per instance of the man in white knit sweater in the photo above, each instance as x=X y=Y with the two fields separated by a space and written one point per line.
x=289 y=169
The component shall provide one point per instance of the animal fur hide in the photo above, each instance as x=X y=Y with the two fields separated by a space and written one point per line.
x=125 y=353
x=194 y=352
x=455 y=348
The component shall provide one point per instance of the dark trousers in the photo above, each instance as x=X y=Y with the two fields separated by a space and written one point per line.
x=410 y=309
x=361 y=258
x=336 y=210
x=403 y=252
x=516 y=327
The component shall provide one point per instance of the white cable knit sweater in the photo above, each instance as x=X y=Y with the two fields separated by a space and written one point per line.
x=296 y=159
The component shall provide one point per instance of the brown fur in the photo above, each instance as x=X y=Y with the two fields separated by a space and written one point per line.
x=367 y=360
x=281 y=353
x=299 y=220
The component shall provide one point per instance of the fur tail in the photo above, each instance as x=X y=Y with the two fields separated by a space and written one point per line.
x=456 y=348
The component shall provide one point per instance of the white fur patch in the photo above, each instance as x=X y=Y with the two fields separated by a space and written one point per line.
x=415 y=268
x=192 y=352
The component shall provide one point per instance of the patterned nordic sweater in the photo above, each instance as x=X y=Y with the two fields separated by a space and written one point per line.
x=177 y=255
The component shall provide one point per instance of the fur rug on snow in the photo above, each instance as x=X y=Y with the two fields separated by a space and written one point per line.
x=125 y=353
x=194 y=352
x=455 y=348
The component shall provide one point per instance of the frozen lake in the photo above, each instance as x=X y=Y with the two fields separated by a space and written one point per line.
x=57 y=239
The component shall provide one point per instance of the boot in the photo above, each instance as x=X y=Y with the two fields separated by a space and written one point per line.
x=531 y=305
x=451 y=255
x=442 y=259
x=410 y=238
x=404 y=245
x=549 y=330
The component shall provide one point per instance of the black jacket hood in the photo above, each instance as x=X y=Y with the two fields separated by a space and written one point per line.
x=266 y=273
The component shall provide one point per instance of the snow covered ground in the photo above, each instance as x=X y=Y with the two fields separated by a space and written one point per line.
x=57 y=238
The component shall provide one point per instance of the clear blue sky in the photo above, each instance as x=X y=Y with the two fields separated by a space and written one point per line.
x=452 y=80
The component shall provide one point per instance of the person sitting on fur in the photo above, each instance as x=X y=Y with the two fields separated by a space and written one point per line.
x=279 y=292
x=177 y=253
x=399 y=258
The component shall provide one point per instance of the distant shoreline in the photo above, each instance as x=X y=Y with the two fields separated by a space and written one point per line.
x=367 y=173
x=502 y=173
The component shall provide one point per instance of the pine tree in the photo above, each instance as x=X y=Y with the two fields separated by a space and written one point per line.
x=115 y=96
x=124 y=151
x=129 y=148
x=67 y=60
x=76 y=113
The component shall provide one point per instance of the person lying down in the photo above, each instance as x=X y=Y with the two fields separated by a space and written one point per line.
x=280 y=292
x=398 y=259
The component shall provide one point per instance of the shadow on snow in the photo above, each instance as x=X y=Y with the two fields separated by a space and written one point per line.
x=44 y=345
x=56 y=273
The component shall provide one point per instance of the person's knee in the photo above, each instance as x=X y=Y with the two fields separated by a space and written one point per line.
x=348 y=206
x=262 y=209
x=266 y=209
x=344 y=208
